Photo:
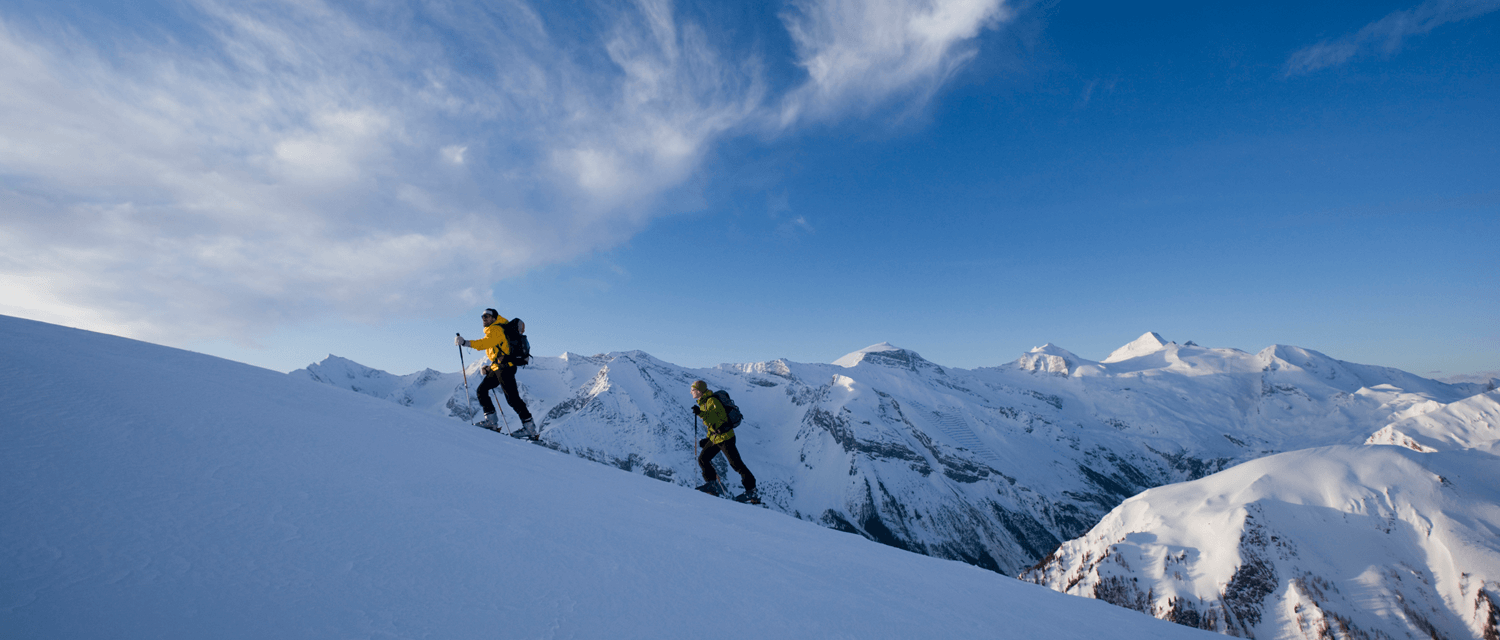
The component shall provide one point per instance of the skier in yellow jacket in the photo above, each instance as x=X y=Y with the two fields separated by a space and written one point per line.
x=501 y=372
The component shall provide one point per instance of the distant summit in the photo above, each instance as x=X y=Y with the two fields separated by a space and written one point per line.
x=886 y=350
x=1049 y=358
x=1147 y=344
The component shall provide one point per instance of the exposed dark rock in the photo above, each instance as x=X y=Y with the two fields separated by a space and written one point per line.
x=1033 y=537
x=1489 y=612
x=1123 y=592
x=1254 y=579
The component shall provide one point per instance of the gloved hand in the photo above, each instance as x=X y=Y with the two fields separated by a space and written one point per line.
x=460 y=341
x=697 y=410
x=703 y=444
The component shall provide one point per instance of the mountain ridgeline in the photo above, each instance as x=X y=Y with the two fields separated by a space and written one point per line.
x=995 y=466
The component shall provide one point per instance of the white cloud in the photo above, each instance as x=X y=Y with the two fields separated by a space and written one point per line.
x=1387 y=34
x=454 y=154
x=861 y=54
x=277 y=164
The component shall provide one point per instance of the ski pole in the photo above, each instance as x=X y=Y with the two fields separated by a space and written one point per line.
x=695 y=440
x=497 y=408
x=465 y=369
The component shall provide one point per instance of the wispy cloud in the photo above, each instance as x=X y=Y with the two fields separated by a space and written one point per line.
x=291 y=160
x=1387 y=34
x=860 y=54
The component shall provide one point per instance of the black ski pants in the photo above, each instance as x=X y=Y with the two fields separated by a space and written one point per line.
x=506 y=380
x=731 y=453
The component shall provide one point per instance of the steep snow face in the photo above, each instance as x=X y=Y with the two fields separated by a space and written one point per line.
x=995 y=466
x=296 y=510
x=1147 y=344
x=1334 y=542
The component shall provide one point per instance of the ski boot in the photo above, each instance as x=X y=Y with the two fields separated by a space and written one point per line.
x=490 y=422
x=527 y=431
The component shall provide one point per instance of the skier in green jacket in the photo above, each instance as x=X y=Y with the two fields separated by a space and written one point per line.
x=720 y=438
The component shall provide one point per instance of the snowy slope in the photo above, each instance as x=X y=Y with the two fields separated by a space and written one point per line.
x=1335 y=542
x=995 y=466
x=157 y=493
x=1468 y=423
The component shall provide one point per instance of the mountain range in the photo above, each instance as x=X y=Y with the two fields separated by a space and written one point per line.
x=995 y=466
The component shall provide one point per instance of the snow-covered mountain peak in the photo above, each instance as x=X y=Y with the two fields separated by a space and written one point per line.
x=1049 y=358
x=426 y=389
x=856 y=357
x=1054 y=350
x=350 y=374
x=1289 y=355
x=337 y=366
x=1147 y=344
x=884 y=354
x=569 y=356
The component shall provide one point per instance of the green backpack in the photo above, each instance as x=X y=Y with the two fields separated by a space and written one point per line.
x=730 y=409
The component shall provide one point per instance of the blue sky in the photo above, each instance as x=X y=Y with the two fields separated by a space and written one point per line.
x=733 y=182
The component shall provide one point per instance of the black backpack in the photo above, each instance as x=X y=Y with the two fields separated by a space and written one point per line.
x=732 y=410
x=520 y=346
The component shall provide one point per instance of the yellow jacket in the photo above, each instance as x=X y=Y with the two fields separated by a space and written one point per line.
x=493 y=344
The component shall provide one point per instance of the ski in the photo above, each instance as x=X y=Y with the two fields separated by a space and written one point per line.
x=719 y=490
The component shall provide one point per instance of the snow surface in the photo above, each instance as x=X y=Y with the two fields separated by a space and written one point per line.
x=149 y=492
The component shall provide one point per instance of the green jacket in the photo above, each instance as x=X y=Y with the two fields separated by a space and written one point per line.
x=715 y=417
